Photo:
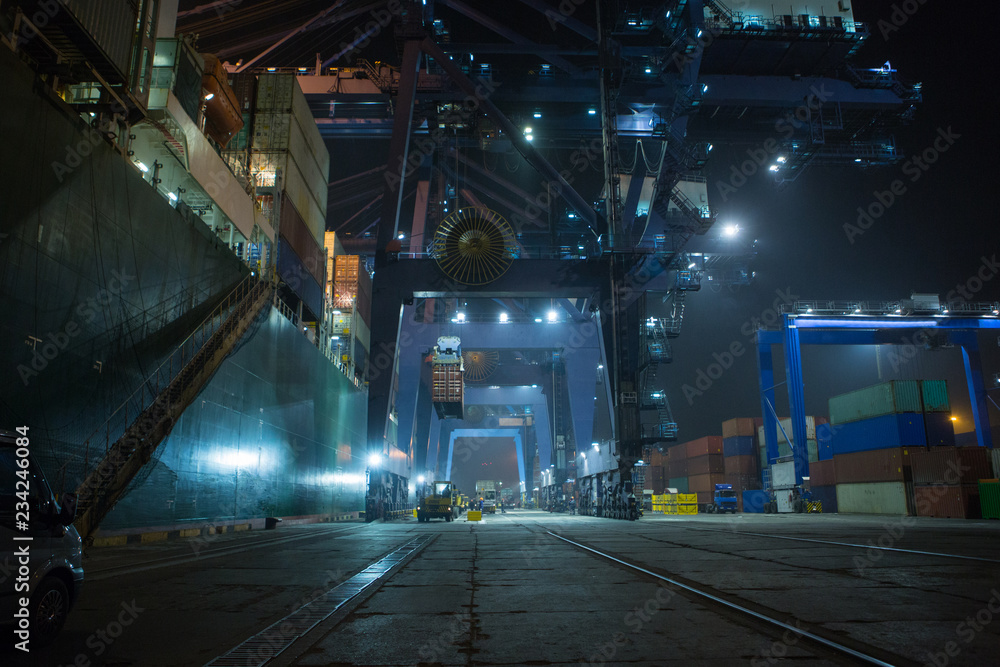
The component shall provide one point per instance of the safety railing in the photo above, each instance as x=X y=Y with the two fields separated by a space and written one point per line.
x=165 y=373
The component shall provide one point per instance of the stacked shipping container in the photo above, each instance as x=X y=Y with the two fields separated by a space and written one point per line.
x=704 y=467
x=740 y=452
x=873 y=432
x=873 y=482
x=901 y=413
x=946 y=481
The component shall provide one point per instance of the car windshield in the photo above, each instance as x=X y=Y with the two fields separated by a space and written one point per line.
x=442 y=489
x=727 y=493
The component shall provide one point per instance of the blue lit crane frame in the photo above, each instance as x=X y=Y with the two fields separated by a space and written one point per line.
x=798 y=330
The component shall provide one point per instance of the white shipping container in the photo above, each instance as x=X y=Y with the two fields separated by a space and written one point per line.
x=872 y=498
x=783 y=475
x=787 y=425
x=274 y=92
x=271 y=131
x=313 y=138
x=302 y=195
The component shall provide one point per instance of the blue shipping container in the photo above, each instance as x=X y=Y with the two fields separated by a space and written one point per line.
x=741 y=445
x=824 y=442
x=885 y=432
x=753 y=501
x=940 y=429
x=827 y=495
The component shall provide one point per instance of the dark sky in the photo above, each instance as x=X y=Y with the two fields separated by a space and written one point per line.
x=931 y=239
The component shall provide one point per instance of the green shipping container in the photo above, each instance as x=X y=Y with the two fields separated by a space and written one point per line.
x=880 y=399
x=989 y=499
x=935 y=395
x=679 y=483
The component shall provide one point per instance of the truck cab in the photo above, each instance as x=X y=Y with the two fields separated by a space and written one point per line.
x=442 y=503
x=724 y=500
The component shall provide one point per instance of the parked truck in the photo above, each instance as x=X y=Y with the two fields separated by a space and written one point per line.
x=442 y=503
x=724 y=500
x=486 y=491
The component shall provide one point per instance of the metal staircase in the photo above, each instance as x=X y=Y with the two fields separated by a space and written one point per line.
x=374 y=72
x=724 y=14
x=658 y=349
x=148 y=415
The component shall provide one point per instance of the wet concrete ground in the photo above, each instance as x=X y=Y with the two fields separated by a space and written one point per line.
x=508 y=592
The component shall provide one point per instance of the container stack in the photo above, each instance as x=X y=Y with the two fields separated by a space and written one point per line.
x=349 y=289
x=675 y=469
x=654 y=479
x=705 y=467
x=289 y=162
x=901 y=413
x=946 y=481
x=873 y=482
x=739 y=450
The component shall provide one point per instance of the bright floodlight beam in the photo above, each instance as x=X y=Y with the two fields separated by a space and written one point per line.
x=374 y=460
x=731 y=230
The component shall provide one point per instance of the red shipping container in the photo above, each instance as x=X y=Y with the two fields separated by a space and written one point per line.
x=939 y=465
x=939 y=500
x=704 y=483
x=655 y=458
x=747 y=464
x=877 y=465
x=705 y=498
x=677 y=468
x=822 y=473
x=977 y=460
x=711 y=444
x=705 y=465
x=732 y=428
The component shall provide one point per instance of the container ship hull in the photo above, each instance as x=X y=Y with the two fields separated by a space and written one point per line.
x=101 y=279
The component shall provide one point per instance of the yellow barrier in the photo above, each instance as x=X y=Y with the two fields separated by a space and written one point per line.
x=815 y=507
x=473 y=515
x=687 y=509
x=687 y=498
x=414 y=512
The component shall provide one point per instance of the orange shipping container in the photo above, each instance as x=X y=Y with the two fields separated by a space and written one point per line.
x=704 y=465
x=705 y=483
x=711 y=444
x=733 y=428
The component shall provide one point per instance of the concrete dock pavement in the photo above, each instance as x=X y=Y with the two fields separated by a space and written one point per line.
x=533 y=588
